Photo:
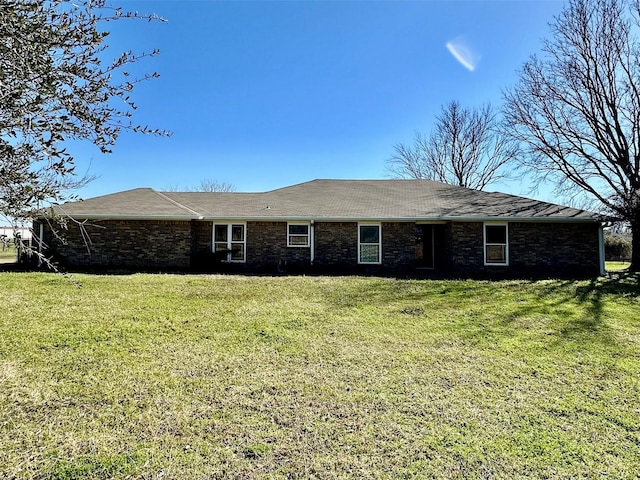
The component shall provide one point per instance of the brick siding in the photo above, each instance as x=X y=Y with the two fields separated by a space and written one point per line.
x=398 y=246
x=336 y=246
x=267 y=249
x=202 y=258
x=535 y=248
x=465 y=251
x=552 y=249
x=569 y=249
x=122 y=243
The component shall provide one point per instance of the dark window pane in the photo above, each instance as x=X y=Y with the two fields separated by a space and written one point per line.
x=369 y=234
x=237 y=233
x=298 y=229
x=221 y=233
x=496 y=234
x=237 y=251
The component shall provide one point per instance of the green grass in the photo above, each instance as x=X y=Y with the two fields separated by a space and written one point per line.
x=8 y=253
x=170 y=376
x=616 y=266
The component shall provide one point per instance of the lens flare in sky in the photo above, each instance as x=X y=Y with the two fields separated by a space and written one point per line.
x=463 y=53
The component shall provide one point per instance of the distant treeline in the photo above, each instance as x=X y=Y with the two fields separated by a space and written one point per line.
x=617 y=247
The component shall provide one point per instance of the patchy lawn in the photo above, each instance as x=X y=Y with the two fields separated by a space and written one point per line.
x=180 y=376
x=8 y=253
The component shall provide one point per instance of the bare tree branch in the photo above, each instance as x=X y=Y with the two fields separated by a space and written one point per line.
x=576 y=107
x=465 y=148
x=206 y=185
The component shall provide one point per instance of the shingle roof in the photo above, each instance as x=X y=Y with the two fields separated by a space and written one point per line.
x=329 y=200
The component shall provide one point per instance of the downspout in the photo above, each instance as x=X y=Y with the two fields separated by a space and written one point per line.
x=312 y=242
x=601 y=249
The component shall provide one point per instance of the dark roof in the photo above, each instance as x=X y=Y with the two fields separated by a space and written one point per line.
x=328 y=200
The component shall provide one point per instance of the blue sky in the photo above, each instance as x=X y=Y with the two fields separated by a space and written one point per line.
x=267 y=94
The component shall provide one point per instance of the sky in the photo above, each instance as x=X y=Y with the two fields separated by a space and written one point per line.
x=267 y=94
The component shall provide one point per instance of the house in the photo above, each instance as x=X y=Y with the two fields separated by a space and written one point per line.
x=346 y=226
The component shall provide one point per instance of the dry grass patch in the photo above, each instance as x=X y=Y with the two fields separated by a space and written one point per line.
x=149 y=376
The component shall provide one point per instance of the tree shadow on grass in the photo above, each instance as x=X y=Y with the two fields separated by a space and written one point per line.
x=621 y=284
x=556 y=313
x=590 y=323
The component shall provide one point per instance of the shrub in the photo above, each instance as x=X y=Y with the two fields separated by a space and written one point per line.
x=617 y=247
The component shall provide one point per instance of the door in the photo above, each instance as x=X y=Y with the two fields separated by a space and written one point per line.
x=424 y=246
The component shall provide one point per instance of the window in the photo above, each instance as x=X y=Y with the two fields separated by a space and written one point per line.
x=369 y=244
x=496 y=251
x=297 y=235
x=230 y=239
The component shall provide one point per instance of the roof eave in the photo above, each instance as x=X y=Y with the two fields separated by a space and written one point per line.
x=439 y=219
x=106 y=216
x=282 y=218
x=502 y=218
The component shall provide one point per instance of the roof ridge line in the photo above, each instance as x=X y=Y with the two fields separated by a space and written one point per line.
x=176 y=203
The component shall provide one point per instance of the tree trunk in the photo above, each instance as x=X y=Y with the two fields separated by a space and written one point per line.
x=635 y=244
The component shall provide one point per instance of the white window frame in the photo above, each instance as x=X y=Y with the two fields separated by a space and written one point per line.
x=486 y=244
x=379 y=243
x=230 y=241
x=307 y=235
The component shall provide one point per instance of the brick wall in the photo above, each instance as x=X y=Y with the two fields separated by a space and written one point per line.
x=202 y=258
x=123 y=243
x=569 y=249
x=201 y=237
x=337 y=248
x=535 y=248
x=267 y=249
x=466 y=247
x=398 y=246
x=552 y=249
x=336 y=245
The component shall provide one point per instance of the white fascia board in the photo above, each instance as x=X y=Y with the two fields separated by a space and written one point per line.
x=419 y=220
x=306 y=219
x=437 y=220
x=423 y=220
x=522 y=219
x=128 y=217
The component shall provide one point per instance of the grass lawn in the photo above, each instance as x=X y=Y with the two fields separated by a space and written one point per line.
x=616 y=266
x=181 y=376
x=8 y=254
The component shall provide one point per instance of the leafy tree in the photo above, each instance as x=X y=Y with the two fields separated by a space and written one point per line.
x=465 y=148
x=576 y=107
x=616 y=247
x=55 y=86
